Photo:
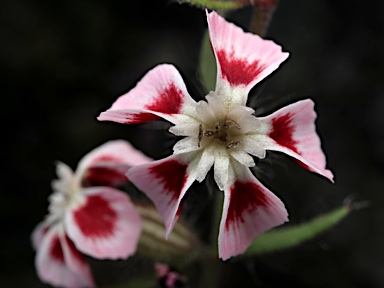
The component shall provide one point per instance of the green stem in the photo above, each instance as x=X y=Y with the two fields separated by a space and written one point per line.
x=217 y=4
x=210 y=262
x=207 y=67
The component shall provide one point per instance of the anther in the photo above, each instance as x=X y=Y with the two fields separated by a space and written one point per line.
x=209 y=133
x=200 y=135
x=232 y=144
x=230 y=122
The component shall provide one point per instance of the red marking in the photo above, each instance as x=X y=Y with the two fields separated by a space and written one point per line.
x=141 y=118
x=106 y=158
x=74 y=252
x=238 y=71
x=44 y=230
x=103 y=176
x=170 y=101
x=56 y=251
x=178 y=212
x=172 y=174
x=305 y=166
x=282 y=132
x=96 y=218
x=244 y=197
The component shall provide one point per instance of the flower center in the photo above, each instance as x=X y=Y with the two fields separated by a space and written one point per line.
x=225 y=132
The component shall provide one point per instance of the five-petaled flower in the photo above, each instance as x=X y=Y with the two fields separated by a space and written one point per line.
x=221 y=132
x=88 y=216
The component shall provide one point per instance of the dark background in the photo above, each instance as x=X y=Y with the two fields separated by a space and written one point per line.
x=63 y=62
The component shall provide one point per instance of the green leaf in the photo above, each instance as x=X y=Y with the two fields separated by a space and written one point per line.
x=293 y=235
x=215 y=4
x=207 y=65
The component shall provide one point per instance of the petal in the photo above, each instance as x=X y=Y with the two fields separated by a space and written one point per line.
x=106 y=225
x=203 y=163
x=186 y=144
x=38 y=234
x=165 y=183
x=242 y=157
x=292 y=131
x=52 y=266
x=249 y=210
x=243 y=59
x=75 y=260
x=253 y=144
x=221 y=168
x=186 y=129
x=65 y=178
x=161 y=93
x=107 y=164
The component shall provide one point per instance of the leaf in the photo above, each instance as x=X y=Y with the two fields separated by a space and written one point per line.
x=291 y=236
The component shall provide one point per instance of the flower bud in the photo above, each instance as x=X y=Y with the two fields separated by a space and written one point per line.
x=181 y=243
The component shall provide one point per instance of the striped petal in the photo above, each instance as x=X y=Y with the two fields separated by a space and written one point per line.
x=165 y=183
x=243 y=59
x=106 y=225
x=249 y=210
x=160 y=94
x=107 y=164
x=293 y=132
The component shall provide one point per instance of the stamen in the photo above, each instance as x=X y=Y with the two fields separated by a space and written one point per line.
x=232 y=144
x=200 y=135
x=209 y=133
x=230 y=122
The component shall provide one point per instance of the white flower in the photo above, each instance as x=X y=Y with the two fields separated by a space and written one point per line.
x=221 y=132
x=87 y=216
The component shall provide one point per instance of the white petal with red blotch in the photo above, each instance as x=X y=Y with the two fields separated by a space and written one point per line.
x=107 y=164
x=165 y=183
x=243 y=59
x=292 y=131
x=38 y=234
x=54 y=262
x=249 y=210
x=75 y=260
x=161 y=93
x=106 y=225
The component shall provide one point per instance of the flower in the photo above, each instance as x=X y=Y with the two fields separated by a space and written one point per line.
x=86 y=216
x=221 y=132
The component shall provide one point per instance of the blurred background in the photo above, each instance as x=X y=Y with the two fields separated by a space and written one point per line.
x=63 y=62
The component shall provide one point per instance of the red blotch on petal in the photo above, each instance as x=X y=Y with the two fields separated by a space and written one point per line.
x=96 y=218
x=238 y=71
x=178 y=212
x=56 y=250
x=244 y=197
x=106 y=158
x=169 y=101
x=282 y=132
x=141 y=118
x=103 y=176
x=74 y=252
x=172 y=174
x=44 y=231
